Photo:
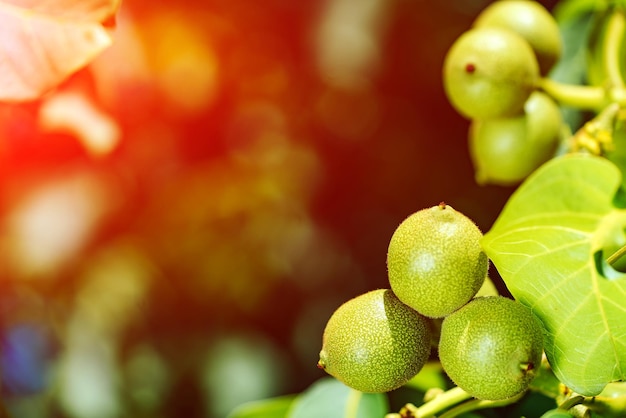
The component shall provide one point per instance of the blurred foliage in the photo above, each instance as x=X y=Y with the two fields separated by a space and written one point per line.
x=180 y=218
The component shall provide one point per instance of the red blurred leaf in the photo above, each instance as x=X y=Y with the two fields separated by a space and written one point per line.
x=44 y=41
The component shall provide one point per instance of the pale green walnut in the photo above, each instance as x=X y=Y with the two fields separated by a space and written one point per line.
x=506 y=150
x=491 y=347
x=435 y=262
x=374 y=343
x=489 y=72
x=532 y=21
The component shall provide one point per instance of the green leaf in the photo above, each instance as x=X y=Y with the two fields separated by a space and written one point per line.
x=575 y=19
x=573 y=9
x=329 y=398
x=548 y=245
x=266 y=408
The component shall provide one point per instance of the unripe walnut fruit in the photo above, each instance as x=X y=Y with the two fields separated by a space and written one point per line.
x=375 y=343
x=530 y=20
x=491 y=347
x=505 y=151
x=435 y=262
x=489 y=72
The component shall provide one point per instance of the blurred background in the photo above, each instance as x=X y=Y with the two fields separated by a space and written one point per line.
x=179 y=219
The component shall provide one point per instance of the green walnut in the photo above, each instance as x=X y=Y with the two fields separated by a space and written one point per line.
x=504 y=151
x=435 y=262
x=530 y=20
x=375 y=343
x=491 y=347
x=489 y=72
